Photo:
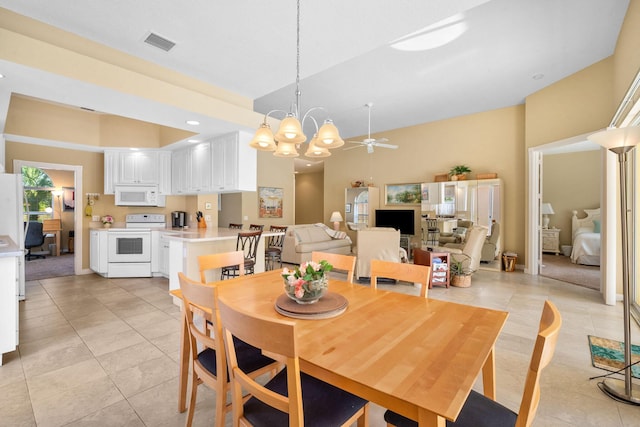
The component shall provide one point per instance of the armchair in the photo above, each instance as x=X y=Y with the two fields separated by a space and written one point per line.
x=469 y=254
x=490 y=249
x=376 y=243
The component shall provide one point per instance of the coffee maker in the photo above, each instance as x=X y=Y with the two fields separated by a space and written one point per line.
x=178 y=219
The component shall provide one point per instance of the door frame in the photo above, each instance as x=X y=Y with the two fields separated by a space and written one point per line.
x=77 y=212
x=608 y=255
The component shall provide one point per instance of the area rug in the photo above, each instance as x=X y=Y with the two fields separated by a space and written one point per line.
x=609 y=355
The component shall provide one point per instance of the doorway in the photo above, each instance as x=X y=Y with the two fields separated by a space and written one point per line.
x=64 y=204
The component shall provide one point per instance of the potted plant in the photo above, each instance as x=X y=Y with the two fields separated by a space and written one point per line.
x=460 y=274
x=459 y=173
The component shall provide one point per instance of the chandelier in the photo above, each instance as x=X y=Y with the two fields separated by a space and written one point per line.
x=287 y=140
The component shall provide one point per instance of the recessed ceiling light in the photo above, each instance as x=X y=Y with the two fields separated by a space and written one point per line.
x=1 y=76
x=537 y=76
x=193 y=122
x=308 y=164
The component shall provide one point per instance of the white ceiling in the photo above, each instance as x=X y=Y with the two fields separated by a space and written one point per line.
x=346 y=57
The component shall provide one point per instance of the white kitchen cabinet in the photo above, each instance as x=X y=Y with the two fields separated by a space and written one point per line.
x=98 y=248
x=111 y=159
x=163 y=256
x=138 y=167
x=164 y=172
x=191 y=169
x=234 y=163
x=9 y=291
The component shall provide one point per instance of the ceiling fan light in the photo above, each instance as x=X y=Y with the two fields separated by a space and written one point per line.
x=286 y=149
x=263 y=139
x=290 y=131
x=328 y=135
x=315 y=150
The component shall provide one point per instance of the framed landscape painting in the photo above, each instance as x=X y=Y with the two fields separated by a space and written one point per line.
x=402 y=194
x=269 y=202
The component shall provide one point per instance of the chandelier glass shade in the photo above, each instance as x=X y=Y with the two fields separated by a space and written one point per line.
x=290 y=136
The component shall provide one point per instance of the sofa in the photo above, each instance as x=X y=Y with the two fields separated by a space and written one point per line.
x=302 y=239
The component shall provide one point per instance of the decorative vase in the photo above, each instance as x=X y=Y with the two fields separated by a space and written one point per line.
x=313 y=290
x=106 y=225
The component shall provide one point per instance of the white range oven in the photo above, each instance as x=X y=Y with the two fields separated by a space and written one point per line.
x=129 y=249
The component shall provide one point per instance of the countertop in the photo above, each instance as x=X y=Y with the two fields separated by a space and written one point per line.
x=194 y=235
x=8 y=247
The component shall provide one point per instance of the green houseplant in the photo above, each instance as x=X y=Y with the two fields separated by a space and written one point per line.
x=459 y=172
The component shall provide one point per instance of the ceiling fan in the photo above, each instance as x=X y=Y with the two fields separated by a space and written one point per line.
x=371 y=142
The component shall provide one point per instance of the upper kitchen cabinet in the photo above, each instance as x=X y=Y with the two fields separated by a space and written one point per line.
x=191 y=169
x=234 y=163
x=137 y=167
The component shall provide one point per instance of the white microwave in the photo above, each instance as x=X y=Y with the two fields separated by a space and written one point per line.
x=138 y=195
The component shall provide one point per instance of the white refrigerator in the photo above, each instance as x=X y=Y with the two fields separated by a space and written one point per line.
x=12 y=217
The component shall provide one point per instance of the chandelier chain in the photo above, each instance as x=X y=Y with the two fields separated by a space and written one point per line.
x=298 y=60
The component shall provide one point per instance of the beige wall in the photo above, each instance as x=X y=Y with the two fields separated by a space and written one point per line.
x=491 y=141
x=571 y=188
x=310 y=199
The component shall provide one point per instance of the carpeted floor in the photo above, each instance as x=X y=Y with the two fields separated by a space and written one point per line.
x=561 y=268
x=51 y=266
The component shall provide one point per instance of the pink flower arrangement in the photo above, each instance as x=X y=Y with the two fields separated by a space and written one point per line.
x=107 y=219
x=305 y=281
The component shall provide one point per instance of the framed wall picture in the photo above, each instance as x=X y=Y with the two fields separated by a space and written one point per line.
x=68 y=198
x=402 y=194
x=347 y=208
x=270 y=202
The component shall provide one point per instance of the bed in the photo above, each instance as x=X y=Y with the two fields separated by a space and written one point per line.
x=585 y=233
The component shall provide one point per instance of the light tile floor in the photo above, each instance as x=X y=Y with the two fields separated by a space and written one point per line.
x=103 y=352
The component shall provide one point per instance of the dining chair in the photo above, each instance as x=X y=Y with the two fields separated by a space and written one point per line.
x=401 y=271
x=208 y=362
x=480 y=411
x=234 y=226
x=256 y=227
x=273 y=247
x=209 y=262
x=340 y=262
x=247 y=242
x=290 y=398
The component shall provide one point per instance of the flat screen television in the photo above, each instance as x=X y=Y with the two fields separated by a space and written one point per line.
x=400 y=219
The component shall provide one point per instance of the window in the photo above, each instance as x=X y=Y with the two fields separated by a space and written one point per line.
x=38 y=196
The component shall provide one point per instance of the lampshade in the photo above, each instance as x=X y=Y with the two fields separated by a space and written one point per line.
x=546 y=209
x=617 y=137
x=290 y=131
x=286 y=149
x=315 y=150
x=263 y=139
x=328 y=135
x=336 y=217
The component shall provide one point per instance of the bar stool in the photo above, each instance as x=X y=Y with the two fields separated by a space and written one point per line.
x=247 y=243
x=235 y=226
x=433 y=232
x=273 y=248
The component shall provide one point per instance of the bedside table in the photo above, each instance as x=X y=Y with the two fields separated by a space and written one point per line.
x=551 y=240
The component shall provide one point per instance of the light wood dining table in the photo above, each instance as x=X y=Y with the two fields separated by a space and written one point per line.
x=416 y=356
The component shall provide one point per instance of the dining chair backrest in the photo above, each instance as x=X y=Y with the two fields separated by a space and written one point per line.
x=282 y=399
x=248 y=243
x=412 y=273
x=256 y=227
x=235 y=226
x=545 y=346
x=339 y=262
x=217 y=261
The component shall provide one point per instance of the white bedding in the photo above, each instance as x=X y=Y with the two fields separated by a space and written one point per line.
x=586 y=242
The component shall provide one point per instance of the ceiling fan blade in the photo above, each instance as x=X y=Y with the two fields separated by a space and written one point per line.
x=355 y=146
x=387 y=145
x=380 y=140
x=357 y=142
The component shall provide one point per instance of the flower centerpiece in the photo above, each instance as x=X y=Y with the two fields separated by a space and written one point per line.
x=107 y=220
x=307 y=283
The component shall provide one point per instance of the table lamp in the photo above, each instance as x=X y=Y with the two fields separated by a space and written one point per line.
x=336 y=218
x=546 y=210
x=620 y=141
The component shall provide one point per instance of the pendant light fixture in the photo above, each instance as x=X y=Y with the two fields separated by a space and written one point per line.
x=289 y=137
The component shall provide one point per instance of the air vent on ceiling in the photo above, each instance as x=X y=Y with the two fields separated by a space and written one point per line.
x=159 y=42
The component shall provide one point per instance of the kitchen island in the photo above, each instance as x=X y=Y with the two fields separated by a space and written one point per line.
x=10 y=256
x=185 y=246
